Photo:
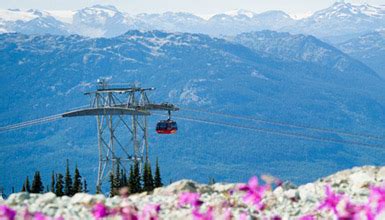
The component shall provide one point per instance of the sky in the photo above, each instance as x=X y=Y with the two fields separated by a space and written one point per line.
x=199 y=7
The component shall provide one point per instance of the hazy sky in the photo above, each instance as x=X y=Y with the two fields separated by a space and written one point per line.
x=201 y=7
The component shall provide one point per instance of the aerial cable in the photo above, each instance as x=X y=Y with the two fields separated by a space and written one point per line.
x=29 y=123
x=282 y=133
x=34 y=121
x=280 y=123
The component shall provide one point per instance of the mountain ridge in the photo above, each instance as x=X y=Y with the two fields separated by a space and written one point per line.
x=334 y=23
x=51 y=73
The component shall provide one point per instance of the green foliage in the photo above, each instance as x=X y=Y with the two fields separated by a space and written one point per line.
x=85 y=186
x=77 y=186
x=148 y=181
x=68 y=181
x=113 y=190
x=26 y=186
x=131 y=179
x=134 y=179
x=117 y=177
x=53 y=182
x=123 y=179
x=157 y=177
x=59 y=185
x=37 y=185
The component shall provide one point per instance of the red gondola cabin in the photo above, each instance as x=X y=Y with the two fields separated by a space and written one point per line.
x=166 y=127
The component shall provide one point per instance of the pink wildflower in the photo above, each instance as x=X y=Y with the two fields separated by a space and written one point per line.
x=100 y=211
x=331 y=201
x=255 y=192
x=228 y=215
x=7 y=213
x=39 y=216
x=377 y=197
x=307 y=217
x=243 y=216
x=188 y=198
x=128 y=213
x=208 y=215
x=150 y=212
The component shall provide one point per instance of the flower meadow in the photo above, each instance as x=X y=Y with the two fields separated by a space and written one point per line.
x=333 y=205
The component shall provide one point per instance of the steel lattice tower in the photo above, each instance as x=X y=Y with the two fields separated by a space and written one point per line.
x=120 y=112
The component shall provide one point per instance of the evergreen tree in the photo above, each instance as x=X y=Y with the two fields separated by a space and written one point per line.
x=77 y=187
x=131 y=180
x=148 y=182
x=112 y=185
x=53 y=182
x=37 y=185
x=27 y=185
x=59 y=185
x=137 y=184
x=134 y=179
x=150 y=178
x=85 y=187
x=123 y=179
x=157 y=178
x=117 y=177
x=67 y=182
x=23 y=188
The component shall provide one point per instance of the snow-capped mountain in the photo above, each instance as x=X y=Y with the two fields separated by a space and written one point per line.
x=101 y=21
x=336 y=23
x=342 y=20
x=172 y=22
x=31 y=22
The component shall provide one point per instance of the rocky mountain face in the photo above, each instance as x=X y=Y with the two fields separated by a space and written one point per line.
x=287 y=201
x=44 y=75
x=337 y=23
x=368 y=48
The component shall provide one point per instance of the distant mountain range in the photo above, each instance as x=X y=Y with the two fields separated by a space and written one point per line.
x=368 y=48
x=335 y=23
x=276 y=76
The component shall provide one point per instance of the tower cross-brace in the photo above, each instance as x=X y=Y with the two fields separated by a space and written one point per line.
x=120 y=112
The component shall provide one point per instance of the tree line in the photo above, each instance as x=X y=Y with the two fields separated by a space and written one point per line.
x=60 y=184
x=69 y=185
x=136 y=182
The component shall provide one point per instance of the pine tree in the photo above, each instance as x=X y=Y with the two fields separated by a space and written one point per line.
x=157 y=178
x=150 y=179
x=27 y=185
x=117 y=177
x=112 y=185
x=131 y=180
x=59 y=185
x=67 y=182
x=137 y=179
x=85 y=187
x=148 y=182
x=211 y=181
x=134 y=179
x=23 y=188
x=77 y=187
x=37 y=185
x=123 y=179
x=53 y=182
